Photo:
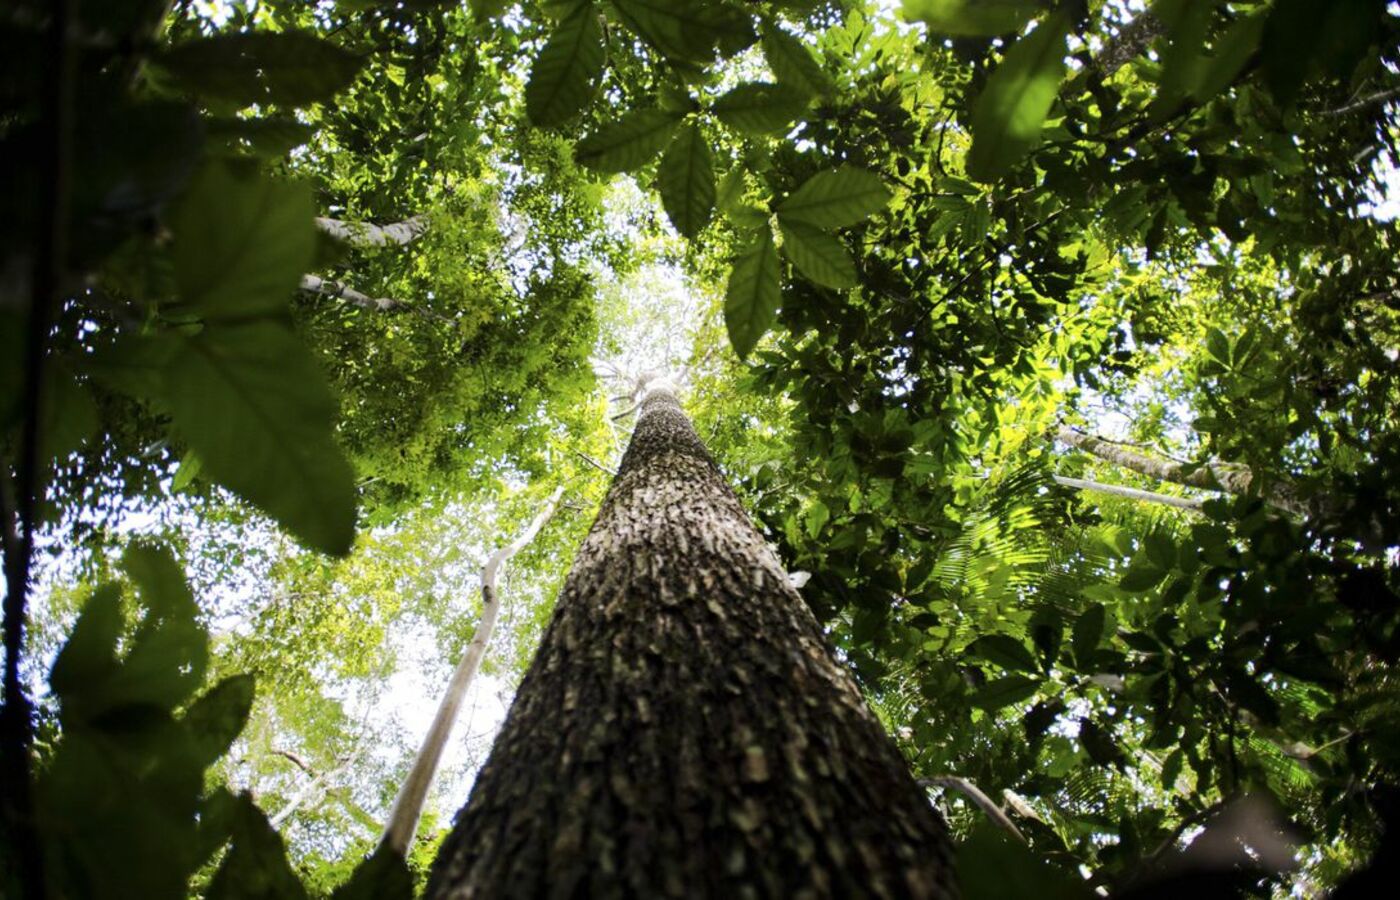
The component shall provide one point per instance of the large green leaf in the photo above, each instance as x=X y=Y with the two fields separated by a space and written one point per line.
x=168 y=655
x=818 y=255
x=972 y=18
x=1088 y=631
x=1004 y=650
x=792 y=63
x=1007 y=116
x=686 y=179
x=1003 y=691
x=90 y=655
x=629 y=143
x=216 y=718
x=256 y=865
x=686 y=30
x=251 y=402
x=241 y=243
x=566 y=72
x=289 y=67
x=835 y=198
x=760 y=108
x=752 y=296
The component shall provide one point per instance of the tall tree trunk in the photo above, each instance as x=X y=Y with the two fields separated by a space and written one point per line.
x=684 y=729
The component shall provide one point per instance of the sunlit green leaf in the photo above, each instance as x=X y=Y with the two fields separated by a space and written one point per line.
x=752 y=297
x=686 y=179
x=629 y=143
x=1007 y=116
x=760 y=108
x=566 y=72
x=241 y=243
x=792 y=63
x=835 y=198
x=251 y=402
x=818 y=255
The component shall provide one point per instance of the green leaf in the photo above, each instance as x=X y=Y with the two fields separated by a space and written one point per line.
x=792 y=63
x=686 y=179
x=752 y=296
x=1088 y=631
x=170 y=650
x=818 y=255
x=760 y=108
x=241 y=243
x=817 y=516
x=383 y=875
x=217 y=717
x=250 y=400
x=1003 y=691
x=256 y=865
x=1232 y=53
x=269 y=137
x=1140 y=577
x=994 y=866
x=1161 y=550
x=566 y=72
x=685 y=30
x=835 y=199
x=89 y=656
x=1003 y=650
x=971 y=18
x=1008 y=114
x=629 y=143
x=289 y=67
x=186 y=474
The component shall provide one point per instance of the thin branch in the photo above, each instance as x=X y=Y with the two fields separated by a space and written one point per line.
x=1364 y=102
x=1119 y=490
x=595 y=464
x=408 y=806
x=971 y=791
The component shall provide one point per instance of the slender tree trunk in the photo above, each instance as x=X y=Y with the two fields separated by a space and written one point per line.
x=408 y=806
x=684 y=729
x=1229 y=479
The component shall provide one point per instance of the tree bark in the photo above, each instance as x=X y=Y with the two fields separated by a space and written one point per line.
x=684 y=729
x=339 y=290
x=1119 y=490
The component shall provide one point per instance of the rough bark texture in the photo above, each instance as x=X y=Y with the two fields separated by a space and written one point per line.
x=684 y=730
x=367 y=234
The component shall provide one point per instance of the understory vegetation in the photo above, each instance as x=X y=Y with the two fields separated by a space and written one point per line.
x=1054 y=344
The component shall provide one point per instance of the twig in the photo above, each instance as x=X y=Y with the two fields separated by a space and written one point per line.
x=1370 y=100
x=595 y=464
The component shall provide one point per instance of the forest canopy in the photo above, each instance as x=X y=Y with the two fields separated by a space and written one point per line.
x=1053 y=345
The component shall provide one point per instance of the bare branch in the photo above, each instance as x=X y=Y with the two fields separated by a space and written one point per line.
x=367 y=234
x=971 y=791
x=408 y=807
x=1119 y=490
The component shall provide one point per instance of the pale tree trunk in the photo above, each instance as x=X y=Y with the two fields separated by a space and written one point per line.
x=408 y=806
x=1211 y=477
x=684 y=729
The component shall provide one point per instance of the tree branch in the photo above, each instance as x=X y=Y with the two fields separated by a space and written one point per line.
x=367 y=234
x=339 y=290
x=1119 y=490
x=408 y=807
x=971 y=791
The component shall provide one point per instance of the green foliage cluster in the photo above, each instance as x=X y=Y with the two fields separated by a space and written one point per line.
x=932 y=243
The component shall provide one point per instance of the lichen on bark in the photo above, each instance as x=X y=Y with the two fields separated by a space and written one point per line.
x=684 y=729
